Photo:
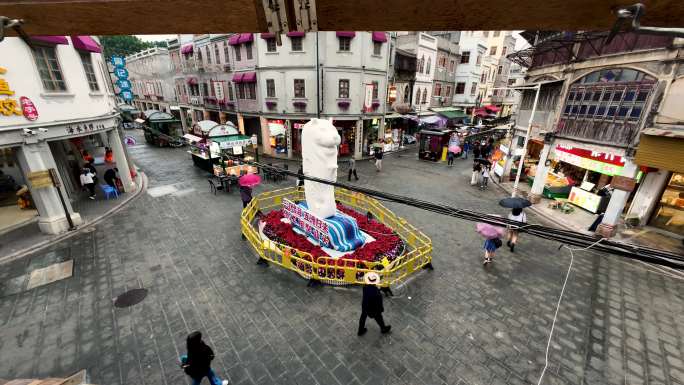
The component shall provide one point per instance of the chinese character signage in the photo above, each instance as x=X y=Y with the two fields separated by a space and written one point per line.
x=218 y=91
x=584 y=199
x=121 y=73
x=123 y=84
x=604 y=163
x=368 y=99
x=307 y=221
x=122 y=81
x=118 y=61
x=9 y=105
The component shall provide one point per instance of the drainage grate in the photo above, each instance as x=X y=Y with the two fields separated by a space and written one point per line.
x=130 y=298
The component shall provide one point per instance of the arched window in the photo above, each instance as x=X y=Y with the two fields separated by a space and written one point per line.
x=406 y=93
x=421 y=63
x=424 y=94
x=429 y=64
x=606 y=105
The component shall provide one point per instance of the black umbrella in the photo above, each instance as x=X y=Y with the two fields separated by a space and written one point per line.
x=483 y=160
x=515 y=203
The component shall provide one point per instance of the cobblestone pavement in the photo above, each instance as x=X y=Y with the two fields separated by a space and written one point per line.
x=619 y=323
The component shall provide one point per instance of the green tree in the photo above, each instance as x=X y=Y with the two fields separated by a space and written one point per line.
x=124 y=45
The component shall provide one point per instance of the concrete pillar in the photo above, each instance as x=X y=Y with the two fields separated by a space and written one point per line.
x=618 y=199
x=508 y=163
x=241 y=124
x=121 y=160
x=648 y=195
x=381 y=129
x=358 y=140
x=542 y=171
x=51 y=214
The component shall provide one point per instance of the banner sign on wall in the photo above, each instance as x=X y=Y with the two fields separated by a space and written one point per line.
x=601 y=162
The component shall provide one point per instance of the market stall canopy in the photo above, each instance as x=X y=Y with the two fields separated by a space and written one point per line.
x=192 y=138
x=206 y=125
x=450 y=113
x=104 y=17
x=223 y=130
x=158 y=116
x=434 y=120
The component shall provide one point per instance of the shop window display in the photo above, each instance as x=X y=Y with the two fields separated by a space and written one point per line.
x=669 y=215
x=278 y=136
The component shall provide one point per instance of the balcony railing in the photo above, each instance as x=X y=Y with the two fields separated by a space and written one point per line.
x=616 y=132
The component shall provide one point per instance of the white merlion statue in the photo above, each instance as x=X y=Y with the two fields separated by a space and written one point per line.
x=319 y=159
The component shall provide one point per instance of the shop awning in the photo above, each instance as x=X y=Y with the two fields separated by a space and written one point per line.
x=345 y=34
x=379 y=36
x=434 y=120
x=268 y=35
x=492 y=108
x=188 y=48
x=246 y=38
x=451 y=113
x=234 y=40
x=237 y=78
x=249 y=77
x=659 y=151
x=50 y=39
x=86 y=43
x=296 y=34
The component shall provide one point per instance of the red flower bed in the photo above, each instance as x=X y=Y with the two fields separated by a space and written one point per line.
x=386 y=244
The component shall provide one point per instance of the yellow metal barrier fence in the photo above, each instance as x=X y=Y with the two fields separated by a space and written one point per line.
x=417 y=246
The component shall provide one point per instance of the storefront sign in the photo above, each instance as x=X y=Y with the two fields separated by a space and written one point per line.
x=584 y=199
x=604 y=163
x=235 y=143
x=392 y=94
x=498 y=169
x=29 y=109
x=368 y=99
x=8 y=104
x=503 y=149
x=118 y=61
x=307 y=221
x=622 y=183
x=218 y=91
x=40 y=179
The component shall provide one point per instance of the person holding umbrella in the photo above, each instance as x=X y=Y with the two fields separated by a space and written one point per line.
x=492 y=235
x=516 y=205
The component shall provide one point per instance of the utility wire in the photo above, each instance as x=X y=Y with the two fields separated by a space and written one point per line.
x=566 y=237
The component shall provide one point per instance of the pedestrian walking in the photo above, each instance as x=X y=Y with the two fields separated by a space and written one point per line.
x=485 y=176
x=450 y=158
x=110 y=177
x=378 y=158
x=197 y=362
x=477 y=168
x=517 y=214
x=352 y=169
x=300 y=177
x=490 y=246
x=466 y=148
x=371 y=304
x=87 y=181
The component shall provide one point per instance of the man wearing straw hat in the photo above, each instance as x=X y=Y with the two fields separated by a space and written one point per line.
x=371 y=305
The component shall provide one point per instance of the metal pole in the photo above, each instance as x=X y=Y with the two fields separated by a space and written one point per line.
x=527 y=139
x=318 y=85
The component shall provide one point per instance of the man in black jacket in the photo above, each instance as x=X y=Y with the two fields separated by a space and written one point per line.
x=197 y=363
x=371 y=305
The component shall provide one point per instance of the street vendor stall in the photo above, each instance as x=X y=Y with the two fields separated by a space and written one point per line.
x=162 y=129
x=432 y=143
x=555 y=186
x=220 y=140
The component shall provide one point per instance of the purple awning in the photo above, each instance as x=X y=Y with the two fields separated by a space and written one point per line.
x=237 y=78
x=345 y=34
x=50 y=39
x=295 y=34
x=379 y=36
x=249 y=77
x=234 y=40
x=268 y=35
x=245 y=38
x=188 y=48
x=86 y=43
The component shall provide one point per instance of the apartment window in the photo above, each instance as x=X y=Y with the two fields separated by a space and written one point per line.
x=424 y=100
x=483 y=77
x=49 y=69
x=452 y=64
x=270 y=45
x=497 y=33
x=479 y=60
x=238 y=54
x=226 y=52
x=429 y=64
x=299 y=88
x=216 y=53
x=438 y=89
x=498 y=71
x=421 y=64
x=345 y=43
x=503 y=50
x=485 y=33
x=251 y=91
x=473 y=88
x=87 y=62
x=492 y=51
x=270 y=88
x=248 y=48
x=377 y=48
x=448 y=91
x=230 y=91
x=296 y=42
x=343 y=89
x=376 y=88
x=460 y=88
x=208 y=55
x=465 y=57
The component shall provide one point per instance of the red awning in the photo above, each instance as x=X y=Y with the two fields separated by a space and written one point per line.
x=50 y=39
x=245 y=38
x=295 y=34
x=86 y=43
x=492 y=108
x=188 y=48
x=268 y=35
x=237 y=78
x=379 y=36
x=234 y=40
x=249 y=77
x=345 y=34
